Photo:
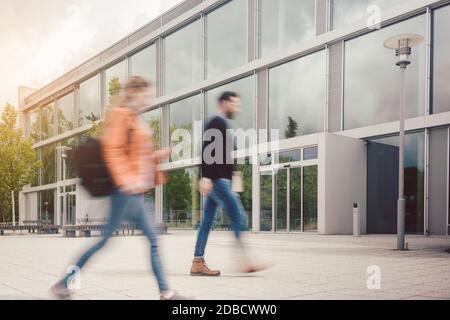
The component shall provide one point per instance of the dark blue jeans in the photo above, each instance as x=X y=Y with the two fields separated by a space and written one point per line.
x=221 y=196
x=135 y=209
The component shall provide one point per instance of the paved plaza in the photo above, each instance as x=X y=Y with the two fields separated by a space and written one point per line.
x=306 y=266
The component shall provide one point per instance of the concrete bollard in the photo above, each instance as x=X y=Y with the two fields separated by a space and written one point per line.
x=356 y=221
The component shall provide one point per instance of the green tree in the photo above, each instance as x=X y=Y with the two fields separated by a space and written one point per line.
x=95 y=130
x=114 y=87
x=18 y=162
x=178 y=193
x=292 y=128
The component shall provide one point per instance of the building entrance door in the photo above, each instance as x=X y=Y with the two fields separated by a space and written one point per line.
x=289 y=199
x=68 y=204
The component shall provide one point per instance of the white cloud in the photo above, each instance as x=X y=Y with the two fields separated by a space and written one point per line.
x=41 y=40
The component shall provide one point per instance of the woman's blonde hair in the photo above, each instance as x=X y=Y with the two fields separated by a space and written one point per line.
x=133 y=85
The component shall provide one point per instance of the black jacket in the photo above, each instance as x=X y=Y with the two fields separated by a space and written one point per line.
x=222 y=167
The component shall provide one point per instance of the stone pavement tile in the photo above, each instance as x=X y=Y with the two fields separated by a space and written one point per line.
x=324 y=296
x=311 y=265
x=407 y=292
x=107 y=296
x=438 y=294
x=424 y=298
x=17 y=297
x=149 y=293
x=7 y=292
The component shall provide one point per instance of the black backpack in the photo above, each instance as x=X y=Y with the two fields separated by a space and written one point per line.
x=90 y=164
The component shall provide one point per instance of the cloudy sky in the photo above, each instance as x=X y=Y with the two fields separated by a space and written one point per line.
x=42 y=39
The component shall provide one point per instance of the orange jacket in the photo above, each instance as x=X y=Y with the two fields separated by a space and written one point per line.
x=125 y=143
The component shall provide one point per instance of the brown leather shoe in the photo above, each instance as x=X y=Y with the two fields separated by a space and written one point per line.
x=199 y=268
x=252 y=268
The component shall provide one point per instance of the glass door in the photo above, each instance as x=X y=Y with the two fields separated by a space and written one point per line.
x=309 y=196
x=67 y=205
x=281 y=195
x=289 y=199
x=295 y=199
x=266 y=201
x=71 y=206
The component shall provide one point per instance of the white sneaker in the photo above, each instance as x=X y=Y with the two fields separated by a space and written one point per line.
x=172 y=295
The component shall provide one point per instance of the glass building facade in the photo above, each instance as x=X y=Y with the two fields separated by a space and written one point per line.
x=303 y=68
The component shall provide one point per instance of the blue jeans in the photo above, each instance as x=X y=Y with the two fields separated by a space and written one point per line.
x=135 y=209
x=220 y=196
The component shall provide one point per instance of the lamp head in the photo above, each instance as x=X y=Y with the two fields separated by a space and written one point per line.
x=402 y=44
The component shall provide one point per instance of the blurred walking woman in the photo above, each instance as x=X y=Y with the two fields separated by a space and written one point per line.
x=132 y=162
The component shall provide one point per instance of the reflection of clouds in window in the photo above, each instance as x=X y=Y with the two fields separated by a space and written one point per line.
x=227 y=37
x=66 y=113
x=246 y=91
x=348 y=11
x=286 y=23
x=372 y=81
x=89 y=110
x=182 y=115
x=143 y=64
x=182 y=60
x=414 y=148
x=47 y=121
x=441 y=72
x=33 y=124
x=297 y=90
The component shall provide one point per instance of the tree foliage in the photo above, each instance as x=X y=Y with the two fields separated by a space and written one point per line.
x=18 y=163
x=292 y=128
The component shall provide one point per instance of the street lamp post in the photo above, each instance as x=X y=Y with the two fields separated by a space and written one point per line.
x=46 y=212
x=402 y=44
x=64 y=149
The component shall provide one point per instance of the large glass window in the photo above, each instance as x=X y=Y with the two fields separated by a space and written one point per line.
x=182 y=118
x=182 y=57
x=441 y=61
x=266 y=201
x=286 y=23
x=372 y=80
x=46 y=207
x=34 y=126
x=115 y=78
x=182 y=199
x=48 y=157
x=143 y=64
x=382 y=184
x=89 y=110
x=67 y=147
x=297 y=96
x=47 y=121
x=310 y=193
x=153 y=121
x=245 y=88
x=223 y=221
x=36 y=174
x=65 y=107
x=227 y=37
x=347 y=11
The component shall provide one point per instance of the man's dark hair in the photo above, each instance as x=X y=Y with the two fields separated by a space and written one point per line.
x=227 y=95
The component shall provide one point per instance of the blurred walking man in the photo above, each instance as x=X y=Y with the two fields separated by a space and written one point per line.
x=216 y=185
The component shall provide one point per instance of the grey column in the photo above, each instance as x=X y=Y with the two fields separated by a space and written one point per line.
x=335 y=88
x=251 y=30
x=437 y=182
x=321 y=16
